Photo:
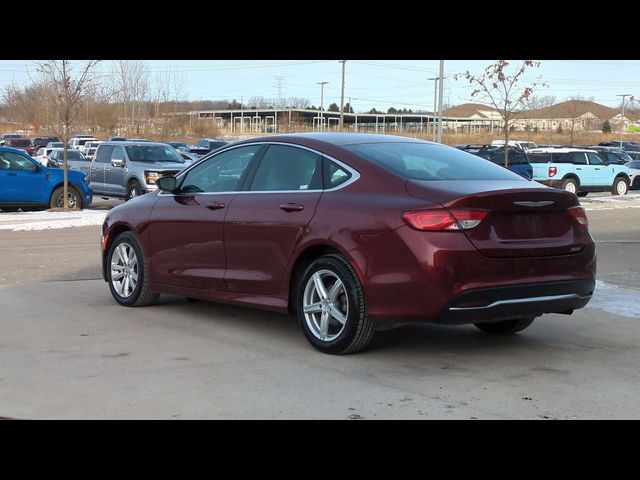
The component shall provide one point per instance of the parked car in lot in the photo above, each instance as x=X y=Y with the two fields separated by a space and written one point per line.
x=354 y=232
x=55 y=145
x=625 y=145
x=20 y=143
x=210 y=144
x=39 y=142
x=612 y=155
x=42 y=156
x=129 y=169
x=177 y=145
x=578 y=171
x=117 y=139
x=25 y=183
x=634 y=174
x=76 y=160
x=197 y=151
x=518 y=161
x=521 y=144
x=5 y=136
x=78 y=142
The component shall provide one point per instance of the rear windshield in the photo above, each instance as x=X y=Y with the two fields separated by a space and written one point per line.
x=425 y=161
x=19 y=143
x=153 y=153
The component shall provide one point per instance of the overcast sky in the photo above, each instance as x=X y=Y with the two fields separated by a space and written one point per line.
x=369 y=83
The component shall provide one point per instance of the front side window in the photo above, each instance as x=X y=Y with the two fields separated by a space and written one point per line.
x=286 y=168
x=221 y=173
x=13 y=161
x=423 y=161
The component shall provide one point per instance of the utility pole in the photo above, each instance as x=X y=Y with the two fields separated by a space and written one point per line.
x=622 y=119
x=342 y=97
x=441 y=91
x=435 y=99
x=322 y=84
x=241 y=116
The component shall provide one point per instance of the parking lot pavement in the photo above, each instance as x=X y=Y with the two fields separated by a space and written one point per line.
x=68 y=351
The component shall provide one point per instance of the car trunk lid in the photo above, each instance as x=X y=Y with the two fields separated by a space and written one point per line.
x=524 y=219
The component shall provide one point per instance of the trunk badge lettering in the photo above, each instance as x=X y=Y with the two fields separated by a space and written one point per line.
x=540 y=203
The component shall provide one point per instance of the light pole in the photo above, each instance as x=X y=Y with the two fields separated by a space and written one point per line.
x=322 y=84
x=435 y=99
x=622 y=119
x=342 y=97
x=440 y=93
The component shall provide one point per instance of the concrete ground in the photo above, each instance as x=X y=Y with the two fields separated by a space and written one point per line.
x=68 y=351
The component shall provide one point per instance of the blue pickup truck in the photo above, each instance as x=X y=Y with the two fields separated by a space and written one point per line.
x=578 y=171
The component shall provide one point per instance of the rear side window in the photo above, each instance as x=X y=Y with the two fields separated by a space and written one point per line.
x=334 y=174
x=288 y=168
x=103 y=154
x=425 y=161
x=539 y=158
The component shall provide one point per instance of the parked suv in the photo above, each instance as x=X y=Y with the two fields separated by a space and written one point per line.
x=518 y=160
x=129 y=169
x=210 y=144
x=578 y=171
x=39 y=142
x=21 y=143
x=5 y=136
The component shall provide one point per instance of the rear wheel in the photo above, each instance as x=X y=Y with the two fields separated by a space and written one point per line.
x=505 y=327
x=570 y=185
x=620 y=186
x=332 y=309
x=74 y=198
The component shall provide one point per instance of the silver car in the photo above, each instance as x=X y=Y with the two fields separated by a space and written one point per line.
x=129 y=169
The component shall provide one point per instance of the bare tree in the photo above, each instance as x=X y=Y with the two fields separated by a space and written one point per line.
x=502 y=91
x=535 y=102
x=575 y=102
x=67 y=89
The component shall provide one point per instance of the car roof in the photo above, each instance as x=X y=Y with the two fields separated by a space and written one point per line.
x=560 y=150
x=130 y=142
x=338 y=138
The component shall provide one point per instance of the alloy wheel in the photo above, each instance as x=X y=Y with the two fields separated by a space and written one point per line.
x=124 y=270
x=326 y=305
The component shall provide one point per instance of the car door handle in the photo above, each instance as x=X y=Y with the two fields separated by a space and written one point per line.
x=597 y=169
x=12 y=174
x=215 y=205
x=292 y=207
x=578 y=169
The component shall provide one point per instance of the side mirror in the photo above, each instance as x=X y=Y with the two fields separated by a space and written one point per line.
x=167 y=184
x=117 y=163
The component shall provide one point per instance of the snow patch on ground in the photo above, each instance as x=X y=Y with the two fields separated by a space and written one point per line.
x=616 y=300
x=51 y=220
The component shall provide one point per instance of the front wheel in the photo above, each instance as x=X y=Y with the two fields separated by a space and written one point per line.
x=620 y=186
x=332 y=309
x=133 y=190
x=127 y=272
x=73 y=197
x=505 y=327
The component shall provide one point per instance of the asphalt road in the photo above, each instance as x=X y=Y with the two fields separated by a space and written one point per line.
x=68 y=351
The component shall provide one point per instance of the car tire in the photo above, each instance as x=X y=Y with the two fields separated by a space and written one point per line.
x=133 y=190
x=570 y=185
x=505 y=327
x=620 y=186
x=57 y=198
x=582 y=194
x=139 y=294
x=340 y=309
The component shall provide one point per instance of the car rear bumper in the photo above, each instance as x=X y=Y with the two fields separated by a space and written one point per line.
x=551 y=183
x=500 y=303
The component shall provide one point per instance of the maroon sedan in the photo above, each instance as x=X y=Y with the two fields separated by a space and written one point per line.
x=353 y=232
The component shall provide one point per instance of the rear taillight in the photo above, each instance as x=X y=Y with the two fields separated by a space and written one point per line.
x=552 y=171
x=580 y=215
x=440 y=219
